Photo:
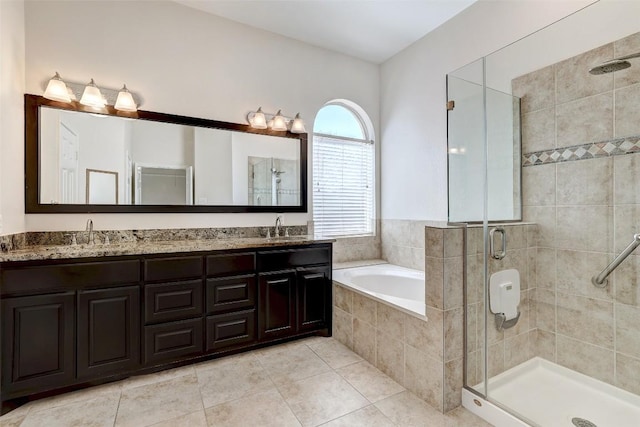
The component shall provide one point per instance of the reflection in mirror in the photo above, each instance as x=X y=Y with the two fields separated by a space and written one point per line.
x=163 y=185
x=272 y=182
x=102 y=187
x=156 y=163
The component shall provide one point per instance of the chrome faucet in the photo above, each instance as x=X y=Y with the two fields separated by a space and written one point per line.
x=276 y=232
x=89 y=228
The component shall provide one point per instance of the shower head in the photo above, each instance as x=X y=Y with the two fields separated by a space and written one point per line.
x=615 y=64
x=610 y=67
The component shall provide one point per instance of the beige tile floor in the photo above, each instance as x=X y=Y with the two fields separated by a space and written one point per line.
x=311 y=382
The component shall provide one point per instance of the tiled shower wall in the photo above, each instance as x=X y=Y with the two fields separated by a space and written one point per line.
x=581 y=185
x=510 y=347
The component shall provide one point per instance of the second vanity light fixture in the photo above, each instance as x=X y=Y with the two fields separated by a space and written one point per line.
x=92 y=96
x=261 y=120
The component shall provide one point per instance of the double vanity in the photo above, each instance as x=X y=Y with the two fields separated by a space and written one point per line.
x=76 y=316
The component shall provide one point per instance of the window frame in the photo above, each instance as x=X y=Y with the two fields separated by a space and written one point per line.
x=366 y=126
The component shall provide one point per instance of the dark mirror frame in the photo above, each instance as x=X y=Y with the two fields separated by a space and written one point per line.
x=32 y=104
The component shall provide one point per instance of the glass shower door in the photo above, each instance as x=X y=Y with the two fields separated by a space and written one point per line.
x=573 y=355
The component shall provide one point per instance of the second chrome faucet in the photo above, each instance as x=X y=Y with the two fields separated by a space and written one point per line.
x=91 y=239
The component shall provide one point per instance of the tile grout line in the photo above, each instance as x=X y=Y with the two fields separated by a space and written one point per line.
x=115 y=418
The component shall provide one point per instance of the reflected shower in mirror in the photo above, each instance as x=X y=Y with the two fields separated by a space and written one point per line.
x=272 y=182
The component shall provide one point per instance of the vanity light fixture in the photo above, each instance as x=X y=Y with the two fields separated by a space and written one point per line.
x=276 y=122
x=57 y=90
x=92 y=96
x=125 y=101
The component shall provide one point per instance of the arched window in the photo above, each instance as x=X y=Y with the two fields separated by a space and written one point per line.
x=343 y=171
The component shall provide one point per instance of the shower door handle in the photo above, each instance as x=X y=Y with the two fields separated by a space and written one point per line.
x=492 y=246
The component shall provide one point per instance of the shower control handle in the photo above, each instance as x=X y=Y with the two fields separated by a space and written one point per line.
x=492 y=246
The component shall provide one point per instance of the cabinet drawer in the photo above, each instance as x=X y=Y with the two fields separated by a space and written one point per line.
x=231 y=329
x=291 y=258
x=172 y=341
x=173 y=268
x=42 y=278
x=172 y=301
x=232 y=293
x=228 y=264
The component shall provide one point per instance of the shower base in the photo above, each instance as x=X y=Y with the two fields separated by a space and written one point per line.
x=546 y=394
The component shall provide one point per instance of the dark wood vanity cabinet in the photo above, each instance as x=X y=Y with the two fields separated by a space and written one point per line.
x=108 y=332
x=38 y=343
x=76 y=322
x=295 y=291
x=277 y=304
x=173 y=308
x=313 y=298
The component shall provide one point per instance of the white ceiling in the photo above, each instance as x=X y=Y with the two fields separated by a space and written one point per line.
x=373 y=30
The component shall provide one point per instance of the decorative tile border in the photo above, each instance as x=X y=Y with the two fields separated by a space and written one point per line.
x=591 y=150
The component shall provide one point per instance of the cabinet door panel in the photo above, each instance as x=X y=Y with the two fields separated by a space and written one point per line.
x=232 y=293
x=277 y=304
x=172 y=301
x=37 y=343
x=108 y=331
x=231 y=329
x=172 y=341
x=314 y=298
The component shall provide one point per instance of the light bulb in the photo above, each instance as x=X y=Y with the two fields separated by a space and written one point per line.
x=57 y=90
x=258 y=120
x=92 y=97
x=279 y=122
x=125 y=101
x=297 y=125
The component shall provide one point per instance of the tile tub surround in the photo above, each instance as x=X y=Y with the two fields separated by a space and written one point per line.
x=347 y=249
x=586 y=203
x=403 y=241
x=423 y=355
x=340 y=390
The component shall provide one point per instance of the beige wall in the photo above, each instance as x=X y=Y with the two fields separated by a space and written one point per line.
x=12 y=83
x=184 y=61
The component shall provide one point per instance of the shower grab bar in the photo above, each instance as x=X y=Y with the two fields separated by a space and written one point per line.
x=600 y=281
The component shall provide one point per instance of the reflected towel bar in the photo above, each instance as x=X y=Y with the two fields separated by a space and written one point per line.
x=600 y=281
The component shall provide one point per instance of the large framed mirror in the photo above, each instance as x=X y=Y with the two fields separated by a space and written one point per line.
x=156 y=163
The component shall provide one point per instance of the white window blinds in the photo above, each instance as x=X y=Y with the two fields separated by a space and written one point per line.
x=343 y=186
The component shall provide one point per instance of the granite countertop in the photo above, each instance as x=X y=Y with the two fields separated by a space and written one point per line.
x=154 y=247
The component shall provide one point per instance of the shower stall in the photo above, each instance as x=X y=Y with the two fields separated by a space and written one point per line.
x=544 y=169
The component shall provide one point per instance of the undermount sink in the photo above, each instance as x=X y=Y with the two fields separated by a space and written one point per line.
x=286 y=238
